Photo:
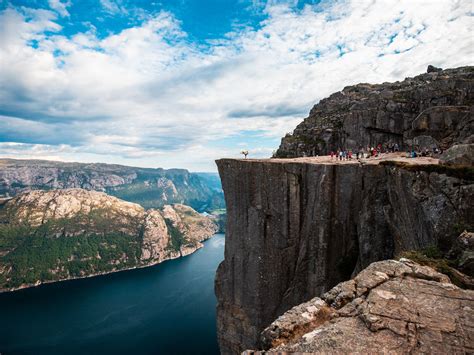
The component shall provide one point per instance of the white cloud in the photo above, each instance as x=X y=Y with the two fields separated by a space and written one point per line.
x=60 y=7
x=149 y=96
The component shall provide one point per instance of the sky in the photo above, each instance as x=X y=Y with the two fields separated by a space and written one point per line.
x=182 y=83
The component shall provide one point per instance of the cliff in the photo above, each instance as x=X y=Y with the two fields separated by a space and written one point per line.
x=298 y=227
x=431 y=109
x=390 y=307
x=151 y=188
x=55 y=235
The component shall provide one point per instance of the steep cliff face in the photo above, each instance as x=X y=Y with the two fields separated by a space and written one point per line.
x=435 y=108
x=54 y=235
x=390 y=307
x=151 y=188
x=298 y=227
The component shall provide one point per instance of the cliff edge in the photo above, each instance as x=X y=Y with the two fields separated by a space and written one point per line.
x=431 y=109
x=390 y=307
x=298 y=227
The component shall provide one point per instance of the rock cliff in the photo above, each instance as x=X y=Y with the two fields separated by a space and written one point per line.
x=54 y=235
x=390 y=307
x=432 y=109
x=151 y=188
x=298 y=227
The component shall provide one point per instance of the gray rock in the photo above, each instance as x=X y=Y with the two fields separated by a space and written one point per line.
x=460 y=154
x=436 y=104
x=406 y=308
x=296 y=229
x=433 y=69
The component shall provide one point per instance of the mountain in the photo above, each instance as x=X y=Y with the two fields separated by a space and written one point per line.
x=297 y=227
x=55 y=235
x=431 y=109
x=151 y=188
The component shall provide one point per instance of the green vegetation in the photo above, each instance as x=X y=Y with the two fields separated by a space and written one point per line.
x=33 y=254
x=433 y=257
x=177 y=238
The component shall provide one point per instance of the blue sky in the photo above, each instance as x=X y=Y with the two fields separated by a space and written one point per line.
x=181 y=83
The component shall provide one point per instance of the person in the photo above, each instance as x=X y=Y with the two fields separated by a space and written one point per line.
x=340 y=155
x=350 y=154
x=332 y=154
x=396 y=147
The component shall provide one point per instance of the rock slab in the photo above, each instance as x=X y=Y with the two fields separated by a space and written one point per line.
x=391 y=307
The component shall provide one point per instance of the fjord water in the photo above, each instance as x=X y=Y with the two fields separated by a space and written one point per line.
x=164 y=309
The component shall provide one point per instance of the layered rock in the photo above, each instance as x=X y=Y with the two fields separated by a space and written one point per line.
x=432 y=109
x=390 y=307
x=69 y=233
x=151 y=188
x=298 y=227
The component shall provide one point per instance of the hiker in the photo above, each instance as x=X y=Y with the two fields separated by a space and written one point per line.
x=396 y=147
x=332 y=154
x=350 y=154
x=340 y=155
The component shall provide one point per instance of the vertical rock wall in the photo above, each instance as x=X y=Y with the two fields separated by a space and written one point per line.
x=296 y=229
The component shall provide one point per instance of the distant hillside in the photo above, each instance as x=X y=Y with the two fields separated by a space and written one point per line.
x=48 y=236
x=151 y=188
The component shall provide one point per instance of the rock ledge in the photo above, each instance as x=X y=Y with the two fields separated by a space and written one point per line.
x=389 y=307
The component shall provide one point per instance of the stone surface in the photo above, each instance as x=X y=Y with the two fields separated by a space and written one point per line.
x=298 y=227
x=393 y=307
x=437 y=104
x=174 y=231
x=460 y=154
x=151 y=188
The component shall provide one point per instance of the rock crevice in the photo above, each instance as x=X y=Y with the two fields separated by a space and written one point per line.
x=297 y=228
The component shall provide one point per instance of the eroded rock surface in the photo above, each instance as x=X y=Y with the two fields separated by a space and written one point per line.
x=61 y=234
x=437 y=106
x=151 y=188
x=390 y=307
x=298 y=227
x=460 y=154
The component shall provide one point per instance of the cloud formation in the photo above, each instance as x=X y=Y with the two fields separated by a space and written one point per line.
x=150 y=96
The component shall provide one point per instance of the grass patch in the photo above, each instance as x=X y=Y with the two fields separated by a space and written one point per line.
x=433 y=258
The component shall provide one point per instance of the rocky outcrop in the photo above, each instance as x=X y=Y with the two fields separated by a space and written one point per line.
x=432 y=109
x=62 y=234
x=390 y=307
x=460 y=154
x=151 y=188
x=298 y=227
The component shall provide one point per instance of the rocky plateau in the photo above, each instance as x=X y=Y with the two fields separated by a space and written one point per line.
x=299 y=225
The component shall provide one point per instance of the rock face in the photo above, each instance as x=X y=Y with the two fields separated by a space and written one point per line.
x=151 y=188
x=460 y=154
x=298 y=227
x=391 y=306
x=61 y=234
x=437 y=105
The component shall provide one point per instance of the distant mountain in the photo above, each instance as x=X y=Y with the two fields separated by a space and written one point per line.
x=151 y=188
x=48 y=236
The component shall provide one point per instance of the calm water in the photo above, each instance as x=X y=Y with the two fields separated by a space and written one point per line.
x=165 y=309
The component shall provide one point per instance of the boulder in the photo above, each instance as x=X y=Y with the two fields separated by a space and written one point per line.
x=396 y=307
x=433 y=69
x=460 y=154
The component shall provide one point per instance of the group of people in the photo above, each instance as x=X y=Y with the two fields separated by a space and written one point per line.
x=425 y=152
x=375 y=151
x=364 y=153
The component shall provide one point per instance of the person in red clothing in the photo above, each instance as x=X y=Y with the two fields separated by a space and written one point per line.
x=332 y=154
